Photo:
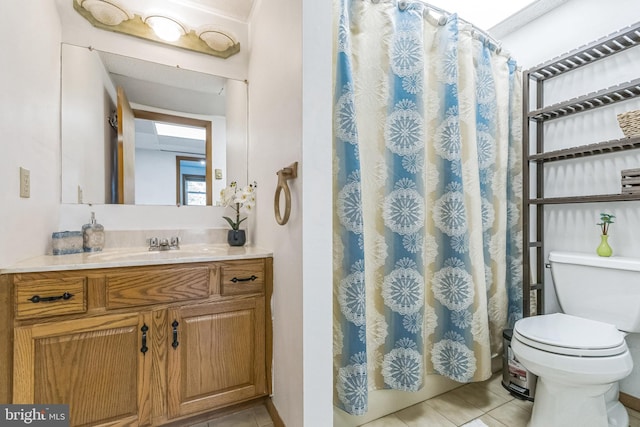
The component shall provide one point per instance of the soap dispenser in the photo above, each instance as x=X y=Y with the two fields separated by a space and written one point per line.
x=93 y=235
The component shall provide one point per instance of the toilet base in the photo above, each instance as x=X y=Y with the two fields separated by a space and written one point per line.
x=560 y=405
x=616 y=413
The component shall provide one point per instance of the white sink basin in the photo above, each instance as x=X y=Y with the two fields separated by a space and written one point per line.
x=185 y=252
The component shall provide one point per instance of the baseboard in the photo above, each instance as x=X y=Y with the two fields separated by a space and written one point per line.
x=205 y=417
x=630 y=401
x=273 y=412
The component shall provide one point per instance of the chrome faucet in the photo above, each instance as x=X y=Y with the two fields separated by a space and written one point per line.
x=156 y=244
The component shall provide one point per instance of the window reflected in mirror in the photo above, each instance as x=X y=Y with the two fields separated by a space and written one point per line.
x=191 y=185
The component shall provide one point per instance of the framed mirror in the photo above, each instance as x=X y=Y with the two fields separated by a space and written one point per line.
x=106 y=158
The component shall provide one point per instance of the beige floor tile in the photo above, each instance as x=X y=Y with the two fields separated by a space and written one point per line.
x=511 y=414
x=241 y=419
x=479 y=396
x=492 y=422
x=262 y=416
x=454 y=409
x=494 y=384
x=388 y=421
x=524 y=404
x=634 y=418
x=421 y=415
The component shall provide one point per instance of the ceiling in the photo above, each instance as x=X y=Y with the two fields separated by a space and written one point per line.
x=167 y=87
x=237 y=10
x=482 y=14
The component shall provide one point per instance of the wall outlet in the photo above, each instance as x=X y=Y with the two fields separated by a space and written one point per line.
x=25 y=183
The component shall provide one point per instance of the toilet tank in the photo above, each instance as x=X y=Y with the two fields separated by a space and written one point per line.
x=598 y=288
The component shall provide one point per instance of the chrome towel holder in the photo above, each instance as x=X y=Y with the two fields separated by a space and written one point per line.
x=284 y=174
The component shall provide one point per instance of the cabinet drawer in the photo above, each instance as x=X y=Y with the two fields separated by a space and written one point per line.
x=154 y=286
x=50 y=297
x=242 y=277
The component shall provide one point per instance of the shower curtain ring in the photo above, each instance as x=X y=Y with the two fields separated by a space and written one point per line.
x=284 y=175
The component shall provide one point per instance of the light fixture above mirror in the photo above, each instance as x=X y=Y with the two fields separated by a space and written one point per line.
x=111 y=15
x=166 y=28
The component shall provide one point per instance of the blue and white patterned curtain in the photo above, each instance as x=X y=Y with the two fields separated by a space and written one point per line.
x=427 y=192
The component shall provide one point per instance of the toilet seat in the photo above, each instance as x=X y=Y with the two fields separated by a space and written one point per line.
x=570 y=335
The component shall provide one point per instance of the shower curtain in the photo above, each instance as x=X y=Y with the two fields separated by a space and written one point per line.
x=427 y=199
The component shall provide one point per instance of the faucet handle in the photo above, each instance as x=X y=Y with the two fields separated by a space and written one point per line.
x=175 y=242
x=153 y=242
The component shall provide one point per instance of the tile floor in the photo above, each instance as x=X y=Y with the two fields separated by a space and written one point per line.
x=487 y=401
x=252 y=417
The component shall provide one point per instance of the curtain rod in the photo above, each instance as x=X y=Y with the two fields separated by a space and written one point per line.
x=474 y=28
x=402 y=4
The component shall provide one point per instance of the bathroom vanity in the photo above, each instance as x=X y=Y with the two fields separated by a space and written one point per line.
x=137 y=339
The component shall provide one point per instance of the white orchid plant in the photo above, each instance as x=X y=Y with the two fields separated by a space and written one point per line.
x=240 y=199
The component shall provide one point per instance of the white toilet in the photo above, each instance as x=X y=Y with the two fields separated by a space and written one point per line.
x=580 y=355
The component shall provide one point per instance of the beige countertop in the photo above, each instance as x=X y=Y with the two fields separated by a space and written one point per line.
x=136 y=256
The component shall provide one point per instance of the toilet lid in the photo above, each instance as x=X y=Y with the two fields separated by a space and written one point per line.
x=565 y=334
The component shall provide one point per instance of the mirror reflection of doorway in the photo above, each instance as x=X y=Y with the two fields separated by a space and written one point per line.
x=161 y=141
x=191 y=185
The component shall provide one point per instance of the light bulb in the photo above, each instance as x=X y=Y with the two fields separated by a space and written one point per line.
x=165 y=28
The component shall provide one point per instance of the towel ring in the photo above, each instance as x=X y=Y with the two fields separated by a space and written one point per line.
x=284 y=175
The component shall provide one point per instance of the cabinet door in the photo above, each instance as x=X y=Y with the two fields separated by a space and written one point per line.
x=216 y=355
x=94 y=365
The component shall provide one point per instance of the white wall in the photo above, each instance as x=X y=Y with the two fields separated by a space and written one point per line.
x=317 y=208
x=87 y=99
x=155 y=177
x=290 y=92
x=236 y=129
x=275 y=141
x=573 y=227
x=29 y=119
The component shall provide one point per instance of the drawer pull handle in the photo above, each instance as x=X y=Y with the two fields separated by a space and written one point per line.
x=144 y=330
x=246 y=279
x=175 y=342
x=37 y=298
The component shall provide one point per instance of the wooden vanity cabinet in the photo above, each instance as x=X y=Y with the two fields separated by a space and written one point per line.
x=217 y=355
x=94 y=365
x=142 y=345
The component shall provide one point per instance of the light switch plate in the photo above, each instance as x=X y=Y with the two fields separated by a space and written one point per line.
x=25 y=183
